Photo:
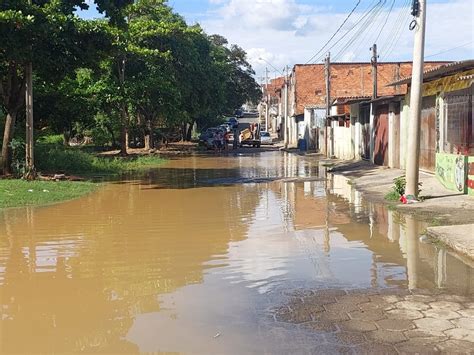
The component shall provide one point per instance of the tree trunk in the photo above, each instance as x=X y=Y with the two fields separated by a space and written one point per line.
x=7 y=138
x=123 y=111
x=66 y=137
x=149 y=140
x=123 y=139
x=189 y=132
x=30 y=173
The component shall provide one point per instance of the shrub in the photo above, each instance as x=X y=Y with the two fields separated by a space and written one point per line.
x=398 y=189
x=54 y=158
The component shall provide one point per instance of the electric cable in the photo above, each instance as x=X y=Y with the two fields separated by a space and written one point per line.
x=402 y=24
x=372 y=15
x=385 y=23
x=448 y=50
x=349 y=31
x=368 y=32
x=335 y=33
x=397 y=26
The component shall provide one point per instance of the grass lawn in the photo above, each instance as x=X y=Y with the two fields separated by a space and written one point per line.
x=16 y=193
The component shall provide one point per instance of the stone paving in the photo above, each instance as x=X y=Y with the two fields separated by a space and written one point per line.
x=381 y=322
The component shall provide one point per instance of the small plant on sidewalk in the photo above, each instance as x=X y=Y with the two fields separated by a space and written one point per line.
x=398 y=189
x=400 y=184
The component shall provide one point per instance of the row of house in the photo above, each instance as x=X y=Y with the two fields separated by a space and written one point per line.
x=363 y=124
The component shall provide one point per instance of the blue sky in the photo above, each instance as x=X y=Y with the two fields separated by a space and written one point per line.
x=276 y=33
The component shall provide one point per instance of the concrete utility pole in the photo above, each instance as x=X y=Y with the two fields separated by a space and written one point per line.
x=374 y=70
x=285 y=122
x=267 y=99
x=328 y=130
x=413 y=148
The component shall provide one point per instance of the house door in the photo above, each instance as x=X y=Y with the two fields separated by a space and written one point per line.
x=381 y=135
x=428 y=134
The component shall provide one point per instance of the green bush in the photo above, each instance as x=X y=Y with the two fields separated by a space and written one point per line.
x=400 y=184
x=55 y=139
x=17 y=147
x=54 y=158
x=398 y=189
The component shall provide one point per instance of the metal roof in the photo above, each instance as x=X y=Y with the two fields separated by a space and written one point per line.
x=343 y=100
x=443 y=70
x=368 y=62
x=466 y=77
x=389 y=97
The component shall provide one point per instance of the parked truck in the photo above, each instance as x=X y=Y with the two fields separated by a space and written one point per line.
x=250 y=136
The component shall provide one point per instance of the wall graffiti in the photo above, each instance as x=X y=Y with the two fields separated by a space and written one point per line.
x=451 y=171
x=470 y=176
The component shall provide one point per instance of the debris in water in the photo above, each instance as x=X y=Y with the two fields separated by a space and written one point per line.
x=217 y=335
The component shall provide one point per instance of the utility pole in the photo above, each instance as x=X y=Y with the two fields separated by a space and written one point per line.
x=328 y=130
x=413 y=149
x=267 y=99
x=374 y=70
x=285 y=122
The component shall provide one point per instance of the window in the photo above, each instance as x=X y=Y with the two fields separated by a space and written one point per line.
x=458 y=125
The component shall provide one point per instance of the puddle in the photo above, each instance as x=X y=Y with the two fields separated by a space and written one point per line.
x=190 y=257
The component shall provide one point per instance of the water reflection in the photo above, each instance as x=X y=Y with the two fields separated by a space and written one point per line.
x=194 y=248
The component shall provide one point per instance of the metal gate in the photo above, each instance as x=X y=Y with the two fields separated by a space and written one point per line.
x=381 y=135
x=428 y=134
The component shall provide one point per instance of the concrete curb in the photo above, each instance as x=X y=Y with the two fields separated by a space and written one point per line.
x=458 y=237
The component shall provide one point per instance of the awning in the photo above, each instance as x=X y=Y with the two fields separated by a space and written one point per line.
x=436 y=73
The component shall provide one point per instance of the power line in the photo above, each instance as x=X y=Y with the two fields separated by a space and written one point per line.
x=349 y=31
x=396 y=31
x=372 y=15
x=368 y=30
x=335 y=33
x=385 y=23
x=448 y=50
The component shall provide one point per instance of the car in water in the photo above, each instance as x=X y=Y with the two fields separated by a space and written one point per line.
x=233 y=122
x=208 y=133
x=239 y=113
x=226 y=127
x=265 y=138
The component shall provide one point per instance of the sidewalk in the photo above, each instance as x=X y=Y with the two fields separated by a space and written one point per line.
x=440 y=206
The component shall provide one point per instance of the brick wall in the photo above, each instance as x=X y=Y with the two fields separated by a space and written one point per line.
x=347 y=79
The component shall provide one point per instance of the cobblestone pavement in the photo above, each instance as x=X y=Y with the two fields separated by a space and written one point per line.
x=381 y=322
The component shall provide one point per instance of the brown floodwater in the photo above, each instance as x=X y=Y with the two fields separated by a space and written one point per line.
x=187 y=257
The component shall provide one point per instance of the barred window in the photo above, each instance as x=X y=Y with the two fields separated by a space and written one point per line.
x=458 y=125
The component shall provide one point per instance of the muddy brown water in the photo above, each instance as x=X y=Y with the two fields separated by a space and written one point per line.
x=188 y=257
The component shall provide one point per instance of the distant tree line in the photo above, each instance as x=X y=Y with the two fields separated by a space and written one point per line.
x=139 y=69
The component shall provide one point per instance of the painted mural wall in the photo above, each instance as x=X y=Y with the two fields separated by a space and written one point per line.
x=451 y=171
x=470 y=176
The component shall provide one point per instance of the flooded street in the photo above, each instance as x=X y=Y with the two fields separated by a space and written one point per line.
x=204 y=255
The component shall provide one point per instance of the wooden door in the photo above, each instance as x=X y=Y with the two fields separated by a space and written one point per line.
x=381 y=135
x=428 y=134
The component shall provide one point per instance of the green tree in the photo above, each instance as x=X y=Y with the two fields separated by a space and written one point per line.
x=48 y=34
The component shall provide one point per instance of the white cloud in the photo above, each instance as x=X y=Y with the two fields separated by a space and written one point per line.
x=274 y=14
x=287 y=32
